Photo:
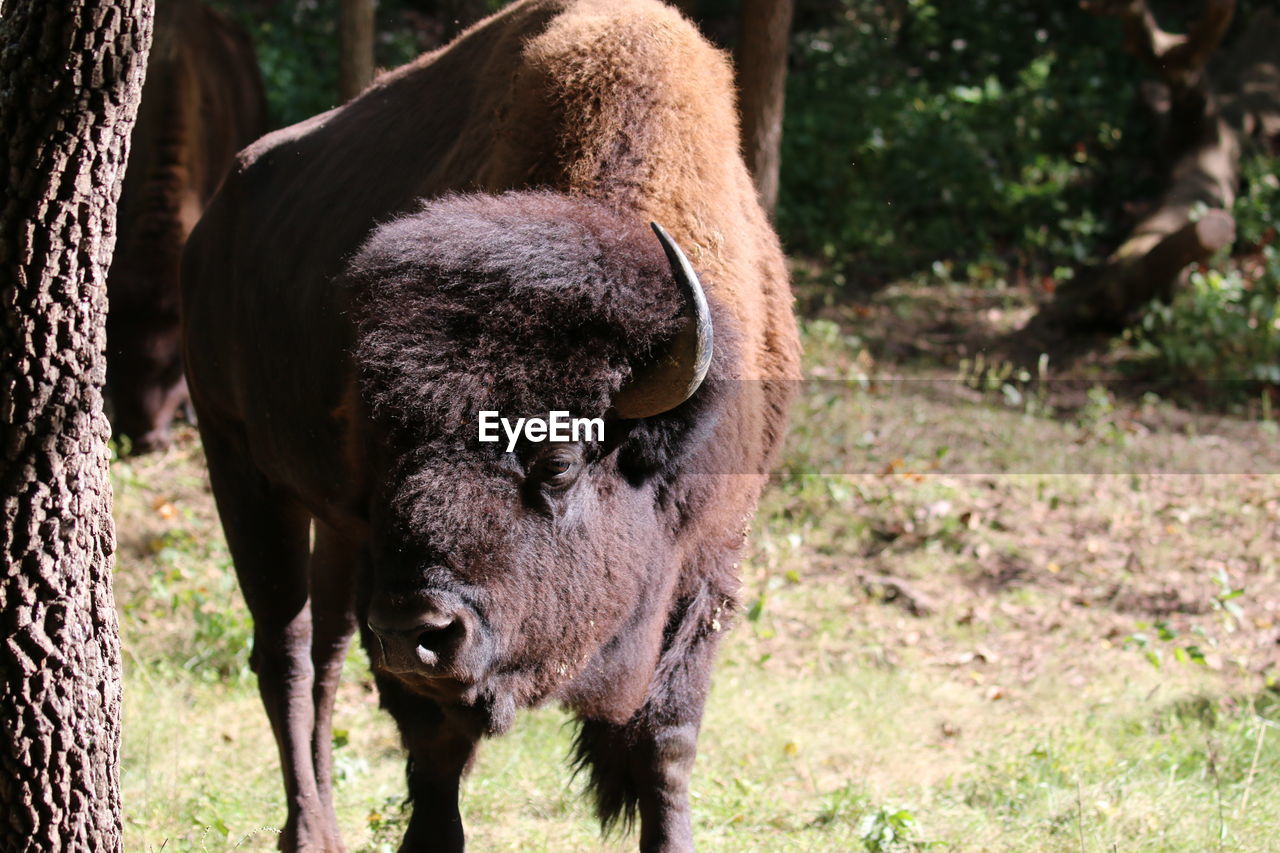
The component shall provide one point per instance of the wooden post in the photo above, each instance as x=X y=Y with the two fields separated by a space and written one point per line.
x=355 y=55
x=764 y=31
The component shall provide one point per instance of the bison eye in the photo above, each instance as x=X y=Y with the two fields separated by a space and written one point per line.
x=557 y=468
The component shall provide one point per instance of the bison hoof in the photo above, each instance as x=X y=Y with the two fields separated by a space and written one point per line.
x=313 y=835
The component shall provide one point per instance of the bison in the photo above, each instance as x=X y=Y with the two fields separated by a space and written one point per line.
x=472 y=234
x=202 y=103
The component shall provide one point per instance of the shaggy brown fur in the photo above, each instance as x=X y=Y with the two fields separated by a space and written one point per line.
x=202 y=102
x=523 y=302
x=469 y=233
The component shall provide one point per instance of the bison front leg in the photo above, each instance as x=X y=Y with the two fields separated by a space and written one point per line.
x=440 y=751
x=267 y=533
x=335 y=566
x=642 y=768
x=664 y=764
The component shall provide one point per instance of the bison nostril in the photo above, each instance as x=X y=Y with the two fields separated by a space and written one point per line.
x=438 y=637
x=430 y=641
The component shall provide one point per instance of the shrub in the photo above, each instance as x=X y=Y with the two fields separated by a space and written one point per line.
x=1224 y=327
x=996 y=130
x=297 y=47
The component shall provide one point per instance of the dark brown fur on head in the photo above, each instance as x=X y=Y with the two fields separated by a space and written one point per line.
x=523 y=303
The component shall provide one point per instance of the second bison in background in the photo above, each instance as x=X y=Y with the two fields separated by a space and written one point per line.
x=472 y=234
x=202 y=102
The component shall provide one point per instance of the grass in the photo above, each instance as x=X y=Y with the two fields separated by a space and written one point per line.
x=947 y=643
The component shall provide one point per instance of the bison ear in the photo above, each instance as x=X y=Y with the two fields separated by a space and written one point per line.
x=673 y=376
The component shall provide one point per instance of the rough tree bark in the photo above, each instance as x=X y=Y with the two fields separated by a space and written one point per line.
x=764 y=31
x=70 y=81
x=355 y=48
x=1204 y=130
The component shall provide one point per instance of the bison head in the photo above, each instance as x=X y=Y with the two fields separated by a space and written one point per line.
x=144 y=357
x=504 y=577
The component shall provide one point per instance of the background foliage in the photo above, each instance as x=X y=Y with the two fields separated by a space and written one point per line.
x=1009 y=141
x=1003 y=132
x=297 y=46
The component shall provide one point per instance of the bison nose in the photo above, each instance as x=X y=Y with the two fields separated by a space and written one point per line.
x=428 y=641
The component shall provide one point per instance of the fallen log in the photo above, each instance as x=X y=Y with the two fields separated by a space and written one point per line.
x=1208 y=121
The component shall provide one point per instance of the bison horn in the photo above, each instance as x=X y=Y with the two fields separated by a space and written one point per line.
x=673 y=377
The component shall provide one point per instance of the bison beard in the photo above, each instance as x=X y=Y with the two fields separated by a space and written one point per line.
x=472 y=234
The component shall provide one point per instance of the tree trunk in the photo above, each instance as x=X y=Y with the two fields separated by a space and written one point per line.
x=70 y=81
x=1249 y=80
x=764 y=31
x=1206 y=122
x=355 y=54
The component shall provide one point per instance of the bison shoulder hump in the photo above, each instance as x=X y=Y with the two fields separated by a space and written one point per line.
x=607 y=62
